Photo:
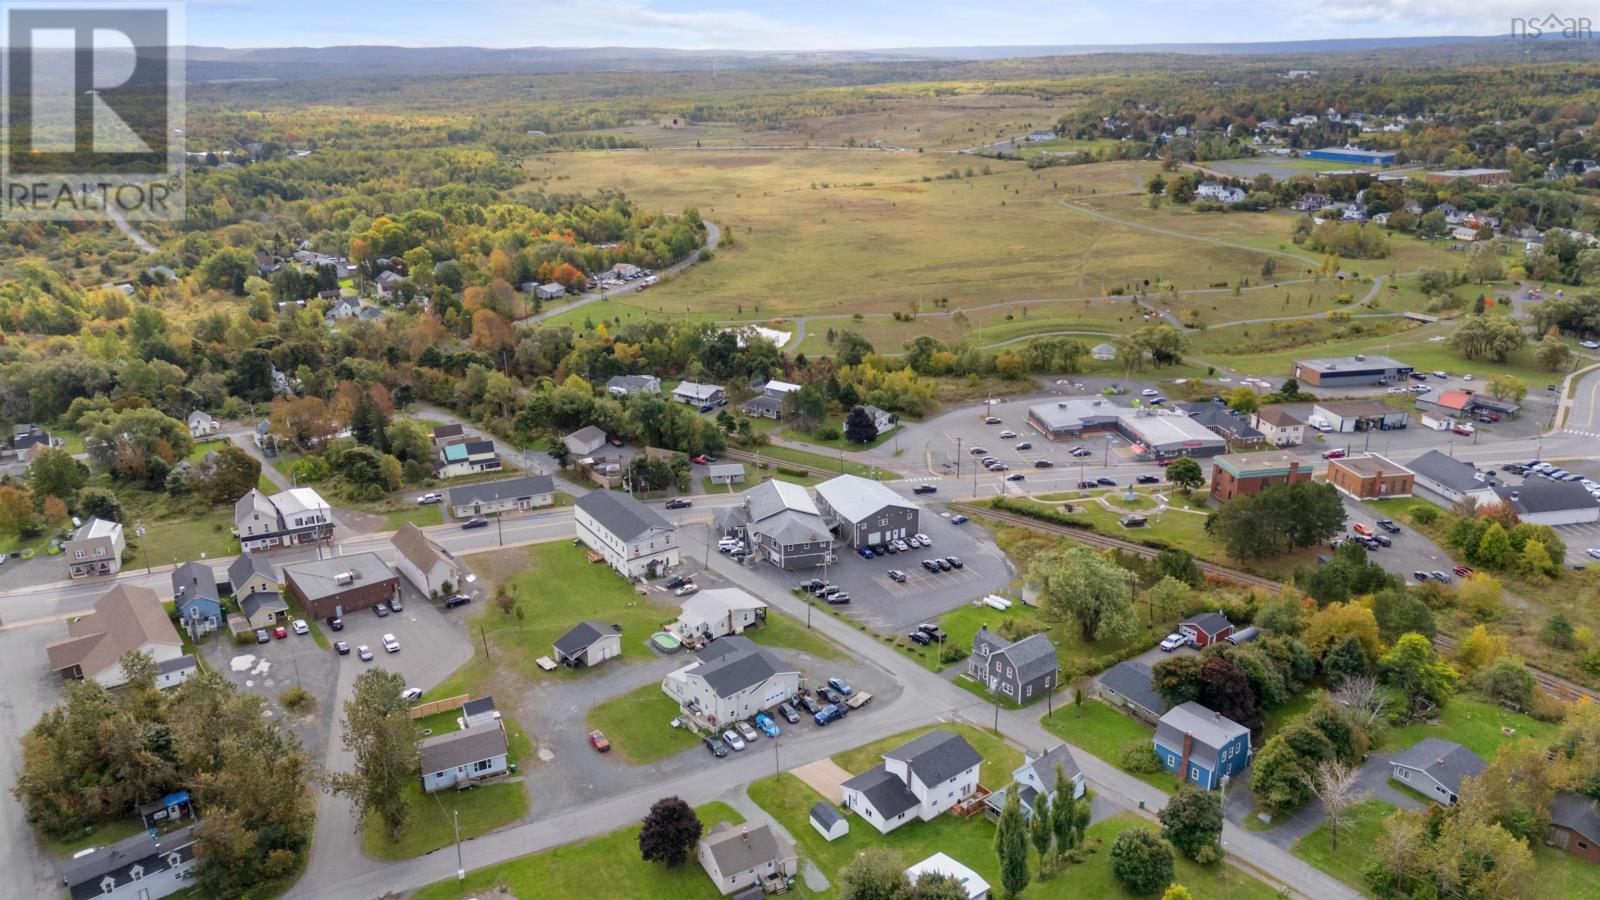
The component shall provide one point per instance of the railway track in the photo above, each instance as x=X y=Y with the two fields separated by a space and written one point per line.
x=1554 y=685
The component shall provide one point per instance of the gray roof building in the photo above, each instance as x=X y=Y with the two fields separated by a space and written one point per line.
x=1136 y=682
x=1033 y=656
x=247 y=565
x=337 y=575
x=458 y=748
x=936 y=756
x=581 y=635
x=1569 y=810
x=1211 y=731
x=86 y=875
x=887 y=794
x=1450 y=477
x=506 y=489
x=1446 y=762
x=194 y=579
x=634 y=384
x=269 y=601
x=743 y=847
x=1538 y=495
x=733 y=663
x=620 y=514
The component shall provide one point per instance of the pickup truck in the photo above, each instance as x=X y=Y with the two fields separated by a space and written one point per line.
x=858 y=700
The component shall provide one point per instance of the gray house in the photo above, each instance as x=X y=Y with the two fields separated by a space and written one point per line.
x=142 y=867
x=1037 y=775
x=783 y=526
x=1131 y=685
x=737 y=857
x=865 y=511
x=1435 y=768
x=508 y=495
x=626 y=385
x=1020 y=671
x=461 y=757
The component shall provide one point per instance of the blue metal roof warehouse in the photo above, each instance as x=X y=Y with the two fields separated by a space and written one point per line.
x=1352 y=155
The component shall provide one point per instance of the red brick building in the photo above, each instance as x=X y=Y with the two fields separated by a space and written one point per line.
x=342 y=584
x=1371 y=477
x=1247 y=473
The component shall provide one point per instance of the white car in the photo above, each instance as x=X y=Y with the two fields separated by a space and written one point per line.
x=913 y=542
x=1589 y=345
x=300 y=626
x=1173 y=642
x=1007 y=435
x=687 y=589
x=926 y=541
x=391 y=643
x=1593 y=552
x=1467 y=377
x=1149 y=392
x=411 y=695
x=745 y=731
x=1398 y=390
x=732 y=739
x=430 y=497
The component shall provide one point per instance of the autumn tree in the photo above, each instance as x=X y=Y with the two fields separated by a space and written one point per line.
x=380 y=736
x=16 y=509
x=229 y=474
x=669 y=833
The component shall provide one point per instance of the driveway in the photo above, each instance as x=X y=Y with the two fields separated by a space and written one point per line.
x=31 y=690
x=1373 y=785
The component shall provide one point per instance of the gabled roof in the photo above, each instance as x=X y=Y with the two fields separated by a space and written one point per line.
x=194 y=579
x=1446 y=762
x=451 y=431
x=298 y=500
x=1211 y=730
x=1455 y=474
x=96 y=528
x=88 y=869
x=1571 y=811
x=477 y=706
x=772 y=497
x=936 y=756
x=199 y=417
x=734 y=663
x=1211 y=623
x=620 y=514
x=740 y=848
x=580 y=637
x=414 y=547
x=887 y=794
x=1032 y=656
x=634 y=382
x=1044 y=768
x=697 y=390
x=1135 y=681
x=459 y=748
x=988 y=640
x=506 y=489
x=247 y=564
x=125 y=618
x=715 y=604
x=586 y=434
x=764 y=403
x=855 y=498
x=260 y=600
x=825 y=814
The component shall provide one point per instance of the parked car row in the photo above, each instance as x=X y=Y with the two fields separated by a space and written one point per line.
x=928 y=633
x=829 y=702
x=822 y=590
x=898 y=545
x=943 y=564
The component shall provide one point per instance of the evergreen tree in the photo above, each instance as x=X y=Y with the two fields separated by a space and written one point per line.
x=1042 y=830
x=1011 y=845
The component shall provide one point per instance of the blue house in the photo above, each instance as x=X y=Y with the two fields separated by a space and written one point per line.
x=1352 y=155
x=195 y=594
x=1201 y=746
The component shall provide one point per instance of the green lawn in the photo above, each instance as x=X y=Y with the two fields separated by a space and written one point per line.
x=606 y=866
x=782 y=631
x=556 y=587
x=1358 y=840
x=421 y=516
x=482 y=809
x=838 y=443
x=1474 y=724
x=209 y=535
x=100 y=835
x=971 y=842
x=1560 y=874
x=826 y=462
x=1103 y=731
x=1298 y=705
x=638 y=725
x=963 y=623
x=999 y=758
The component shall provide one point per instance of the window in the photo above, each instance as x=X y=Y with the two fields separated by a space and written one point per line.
x=1171 y=760
x=99 y=551
x=78 y=554
x=1404 y=775
x=136 y=873
x=481 y=765
x=1194 y=774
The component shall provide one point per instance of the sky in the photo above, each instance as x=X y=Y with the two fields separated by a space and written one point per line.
x=838 y=24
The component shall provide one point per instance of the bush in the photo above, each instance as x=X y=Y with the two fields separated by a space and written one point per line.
x=793 y=473
x=1141 y=862
x=1424 y=515
x=1140 y=758
x=298 y=699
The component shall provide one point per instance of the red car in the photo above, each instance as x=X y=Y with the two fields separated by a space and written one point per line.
x=280 y=632
x=1163 y=463
x=1337 y=453
x=701 y=460
x=1462 y=571
x=599 y=742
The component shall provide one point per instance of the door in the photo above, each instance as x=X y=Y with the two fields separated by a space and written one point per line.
x=875 y=537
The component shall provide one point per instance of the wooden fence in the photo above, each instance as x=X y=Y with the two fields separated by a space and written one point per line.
x=439 y=706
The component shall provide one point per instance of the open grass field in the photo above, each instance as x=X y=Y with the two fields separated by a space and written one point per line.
x=606 y=866
x=963 y=623
x=208 y=535
x=1358 y=841
x=1474 y=724
x=101 y=835
x=637 y=725
x=825 y=231
x=1103 y=731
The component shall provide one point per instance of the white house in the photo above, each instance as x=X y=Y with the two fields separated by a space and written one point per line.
x=472 y=754
x=146 y=866
x=631 y=538
x=285 y=519
x=95 y=548
x=696 y=394
x=1037 y=775
x=624 y=385
x=1435 y=768
x=918 y=780
x=585 y=441
x=737 y=857
x=1219 y=192
x=508 y=495
x=466 y=458
x=202 y=424
x=551 y=291
x=882 y=420
x=1453 y=479
x=1280 y=427
x=1103 y=352
x=713 y=613
x=731 y=679
x=428 y=566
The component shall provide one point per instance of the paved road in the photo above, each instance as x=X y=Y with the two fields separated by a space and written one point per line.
x=713 y=237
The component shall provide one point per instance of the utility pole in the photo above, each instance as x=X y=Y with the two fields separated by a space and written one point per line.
x=958 y=457
x=499 y=517
x=461 y=867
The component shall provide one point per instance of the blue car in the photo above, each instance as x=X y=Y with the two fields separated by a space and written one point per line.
x=958 y=520
x=866 y=552
x=765 y=723
x=829 y=713
x=840 y=685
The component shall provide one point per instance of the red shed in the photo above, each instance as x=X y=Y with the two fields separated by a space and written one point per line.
x=1206 y=628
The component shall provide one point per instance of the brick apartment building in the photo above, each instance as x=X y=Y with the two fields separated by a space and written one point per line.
x=1247 y=473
